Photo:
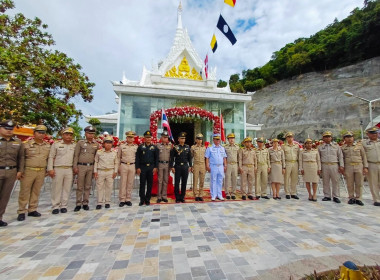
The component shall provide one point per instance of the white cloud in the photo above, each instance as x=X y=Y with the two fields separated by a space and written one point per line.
x=109 y=37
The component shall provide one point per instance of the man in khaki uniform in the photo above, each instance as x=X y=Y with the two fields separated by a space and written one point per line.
x=292 y=151
x=84 y=156
x=247 y=167
x=355 y=163
x=332 y=164
x=11 y=164
x=263 y=168
x=232 y=151
x=199 y=167
x=164 y=149
x=127 y=157
x=372 y=150
x=105 y=170
x=60 y=168
x=36 y=153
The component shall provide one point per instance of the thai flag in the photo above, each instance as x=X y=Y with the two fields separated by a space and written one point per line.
x=165 y=124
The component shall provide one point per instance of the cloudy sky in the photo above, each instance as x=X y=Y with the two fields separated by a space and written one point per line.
x=112 y=36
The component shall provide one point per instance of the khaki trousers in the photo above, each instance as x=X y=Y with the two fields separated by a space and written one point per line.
x=247 y=178
x=104 y=186
x=374 y=180
x=231 y=178
x=291 y=178
x=61 y=186
x=163 y=175
x=7 y=181
x=30 y=188
x=84 y=184
x=354 y=180
x=199 y=173
x=330 y=172
x=261 y=180
x=127 y=178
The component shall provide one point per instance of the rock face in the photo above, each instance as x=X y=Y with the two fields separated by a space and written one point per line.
x=314 y=102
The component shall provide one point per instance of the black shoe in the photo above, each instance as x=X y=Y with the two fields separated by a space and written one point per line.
x=177 y=201
x=257 y=197
x=107 y=206
x=63 y=210
x=55 y=211
x=3 y=224
x=121 y=204
x=336 y=200
x=352 y=201
x=233 y=197
x=34 y=214
x=275 y=197
x=278 y=197
x=147 y=203
x=196 y=198
x=141 y=203
x=376 y=203
x=228 y=197
x=243 y=197
x=295 y=197
x=250 y=197
x=265 y=197
x=98 y=207
x=201 y=199
x=287 y=196
x=128 y=203
x=182 y=200
x=159 y=200
x=165 y=200
x=359 y=202
x=21 y=217
x=326 y=199
x=85 y=207
x=77 y=208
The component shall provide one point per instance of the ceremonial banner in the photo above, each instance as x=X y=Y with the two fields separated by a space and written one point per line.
x=165 y=124
x=206 y=66
x=222 y=134
x=230 y=2
x=226 y=30
x=214 y=43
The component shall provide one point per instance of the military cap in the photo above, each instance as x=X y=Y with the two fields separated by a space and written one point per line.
x=275 y=140
x=130 y=134
x=90 y=129
x=247 y=139
x=199 y=136
x=348 y=134
x=216 y=136
x=307 y=140
x=372 y=129
x=108 y=139
x=68 y=130
x=289 y=134
x=40 y=128
x=165 y=134
x=261 y=139
x=182 y=135
x=231 y=135
x=7 y=124
x=148 y=134
x=326 y=134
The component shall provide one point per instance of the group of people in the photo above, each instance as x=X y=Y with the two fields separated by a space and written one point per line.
x=29 y=162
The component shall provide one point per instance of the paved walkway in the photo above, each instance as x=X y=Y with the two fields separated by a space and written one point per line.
x=263 y=239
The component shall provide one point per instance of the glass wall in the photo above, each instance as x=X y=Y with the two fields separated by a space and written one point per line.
x=135 y=112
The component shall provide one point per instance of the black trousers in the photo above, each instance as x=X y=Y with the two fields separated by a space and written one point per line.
x=181 y=174
x=146 y=176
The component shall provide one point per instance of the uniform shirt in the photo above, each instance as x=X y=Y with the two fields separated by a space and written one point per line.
x=262 y=156
x=61 y=154
x=311 y=155
x=127 y=153
x=146 y=155
x=106 y=160
x=215 y=154
x=85 y=152
x=247 y=156
x=232 y=152
x=277 y=156
x=12 y=153
x=331 y=153
x=372 y=150
x=164 y=151
x=291 y=152
x=36 y=155
x=180 y=155
x=354 y=154
x=198 y=154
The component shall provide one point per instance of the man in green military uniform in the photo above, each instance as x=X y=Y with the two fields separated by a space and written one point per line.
x=164 y=149
x=199 y=166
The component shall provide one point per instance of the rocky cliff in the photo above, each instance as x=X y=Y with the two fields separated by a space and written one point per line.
x=314 y=102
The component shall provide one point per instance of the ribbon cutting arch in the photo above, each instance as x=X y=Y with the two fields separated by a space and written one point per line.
x=184 y=112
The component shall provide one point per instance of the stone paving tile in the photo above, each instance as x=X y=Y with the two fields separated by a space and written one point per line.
x=228 y=240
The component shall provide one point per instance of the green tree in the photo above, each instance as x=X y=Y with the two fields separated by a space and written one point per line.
x=77 y=129
x=38 y=83
x=221 y=84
